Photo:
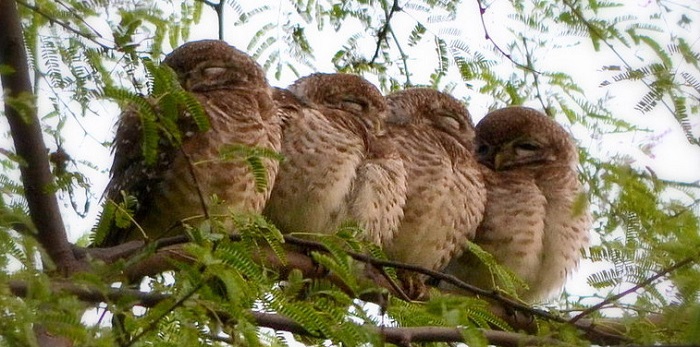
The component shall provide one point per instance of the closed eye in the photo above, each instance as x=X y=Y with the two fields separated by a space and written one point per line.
x=528 y=146
x=213 y=71
x=448 y=122
x=354 y=105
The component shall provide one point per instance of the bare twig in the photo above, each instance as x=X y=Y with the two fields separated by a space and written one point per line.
x=154 y=323
x=536 y=79
x=79 y=17
x=381 y=34
x=200 y=193
x=404 y=57
x=218 y=8
x=482 y=11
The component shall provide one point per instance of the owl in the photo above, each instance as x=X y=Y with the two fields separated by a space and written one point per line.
x=445 y=198
x=234 y=92
x=339 y=166
x=535 y=221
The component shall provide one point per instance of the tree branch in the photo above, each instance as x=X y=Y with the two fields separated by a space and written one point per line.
x=402 y=336
x=505 y=308
x=381 y=34
x=21 y=113
x=218 y=8
x=536 y=80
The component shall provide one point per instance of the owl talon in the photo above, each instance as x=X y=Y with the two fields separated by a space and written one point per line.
x=414 y=288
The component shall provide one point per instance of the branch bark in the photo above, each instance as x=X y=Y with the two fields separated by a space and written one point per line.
x=29 y=143
x=402 y=336
x=518 y=315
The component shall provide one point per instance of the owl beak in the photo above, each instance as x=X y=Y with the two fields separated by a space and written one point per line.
x=501 y=160
x=379 y=127
x=498 y=161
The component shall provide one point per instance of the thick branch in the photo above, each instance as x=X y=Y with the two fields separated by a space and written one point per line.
x=29 y=143
x=399 y=336
x=516 y=314
x=405 y=336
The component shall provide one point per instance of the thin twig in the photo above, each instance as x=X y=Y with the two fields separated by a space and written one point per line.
x=600 y=36
x=482 y=11
x=643 y=284
x=79 y=17
x=395 y=286
x=404 y=57
x=154 y=323
x=126 y=213
x=219 y=10
x=535 y=76
x=193 y=174
x=62 y=24
x=381 y=34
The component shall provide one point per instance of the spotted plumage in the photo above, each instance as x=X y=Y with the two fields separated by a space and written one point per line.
x=536 y=221
x=338 y=165
x=234 y=92
x=433 y=133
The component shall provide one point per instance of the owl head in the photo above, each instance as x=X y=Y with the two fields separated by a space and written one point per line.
x=516 y=137
x=345 y=92
x=425 y=106
x=213 y=64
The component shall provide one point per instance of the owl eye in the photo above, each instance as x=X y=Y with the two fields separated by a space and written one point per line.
x=482 y=150
x=448 y=122
x=354 y=105
x=528 y=146
x=213 y=71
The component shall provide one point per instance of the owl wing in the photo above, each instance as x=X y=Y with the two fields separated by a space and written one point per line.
x=379 y=192
x=131 y=175
x=566 y=229
x=321 y=156
x=512 y=231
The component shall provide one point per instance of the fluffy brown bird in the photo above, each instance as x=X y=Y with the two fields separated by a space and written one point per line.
x=536 y=221
x=235 y=94
x=445 y=198
x=338 y=167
